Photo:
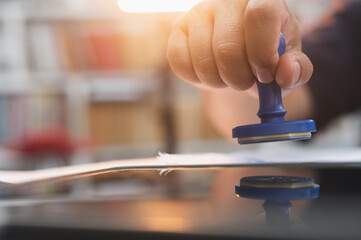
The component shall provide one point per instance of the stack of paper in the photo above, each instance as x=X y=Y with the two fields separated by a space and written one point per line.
x=290 y=157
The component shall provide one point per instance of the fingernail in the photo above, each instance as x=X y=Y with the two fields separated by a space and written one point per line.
x=296 y=75
x=264 y=76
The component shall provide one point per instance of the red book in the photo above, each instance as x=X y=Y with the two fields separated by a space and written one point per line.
x=106 y=50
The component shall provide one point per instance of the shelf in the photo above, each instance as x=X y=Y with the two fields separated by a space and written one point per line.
x=99 y=86
x=22 y=83
x=125 y=90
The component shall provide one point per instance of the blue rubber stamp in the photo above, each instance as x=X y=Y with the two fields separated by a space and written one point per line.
x=271 y=111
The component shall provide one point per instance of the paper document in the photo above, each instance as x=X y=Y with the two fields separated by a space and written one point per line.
x=289 y=157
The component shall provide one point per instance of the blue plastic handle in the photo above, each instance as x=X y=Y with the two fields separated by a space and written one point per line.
x=271 y=108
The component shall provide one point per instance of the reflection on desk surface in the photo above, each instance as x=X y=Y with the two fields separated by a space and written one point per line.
x=199 y=202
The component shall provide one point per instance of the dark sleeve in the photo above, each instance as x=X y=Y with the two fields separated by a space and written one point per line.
x=335 y=52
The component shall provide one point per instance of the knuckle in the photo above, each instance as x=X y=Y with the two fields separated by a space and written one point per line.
x=173 y=53
x=238 y=78
x=227 y=53
x=233 y=66
x=205 y=65
x=241 y=81
x=180 y=67
x=208 y=73
x=170 y=49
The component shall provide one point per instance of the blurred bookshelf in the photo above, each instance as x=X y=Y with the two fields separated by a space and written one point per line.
x=87 y=67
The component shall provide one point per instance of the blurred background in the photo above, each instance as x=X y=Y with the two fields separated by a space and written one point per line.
x=87 y=80
x=84 y=81
x=84 y=76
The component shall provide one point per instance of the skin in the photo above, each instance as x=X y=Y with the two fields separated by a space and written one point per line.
x=224 y=46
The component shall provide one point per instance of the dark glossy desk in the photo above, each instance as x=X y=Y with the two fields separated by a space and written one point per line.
x=217 y=214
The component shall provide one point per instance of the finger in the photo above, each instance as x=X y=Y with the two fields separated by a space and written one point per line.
x=179 y=58
x=200 y=34
x=294 y=69
x=263 y=22
x=229 y=46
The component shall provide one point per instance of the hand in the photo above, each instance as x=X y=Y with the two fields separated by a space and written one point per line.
x=230 y=43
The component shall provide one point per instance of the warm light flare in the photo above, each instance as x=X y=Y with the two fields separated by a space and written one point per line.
x=156 y=5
